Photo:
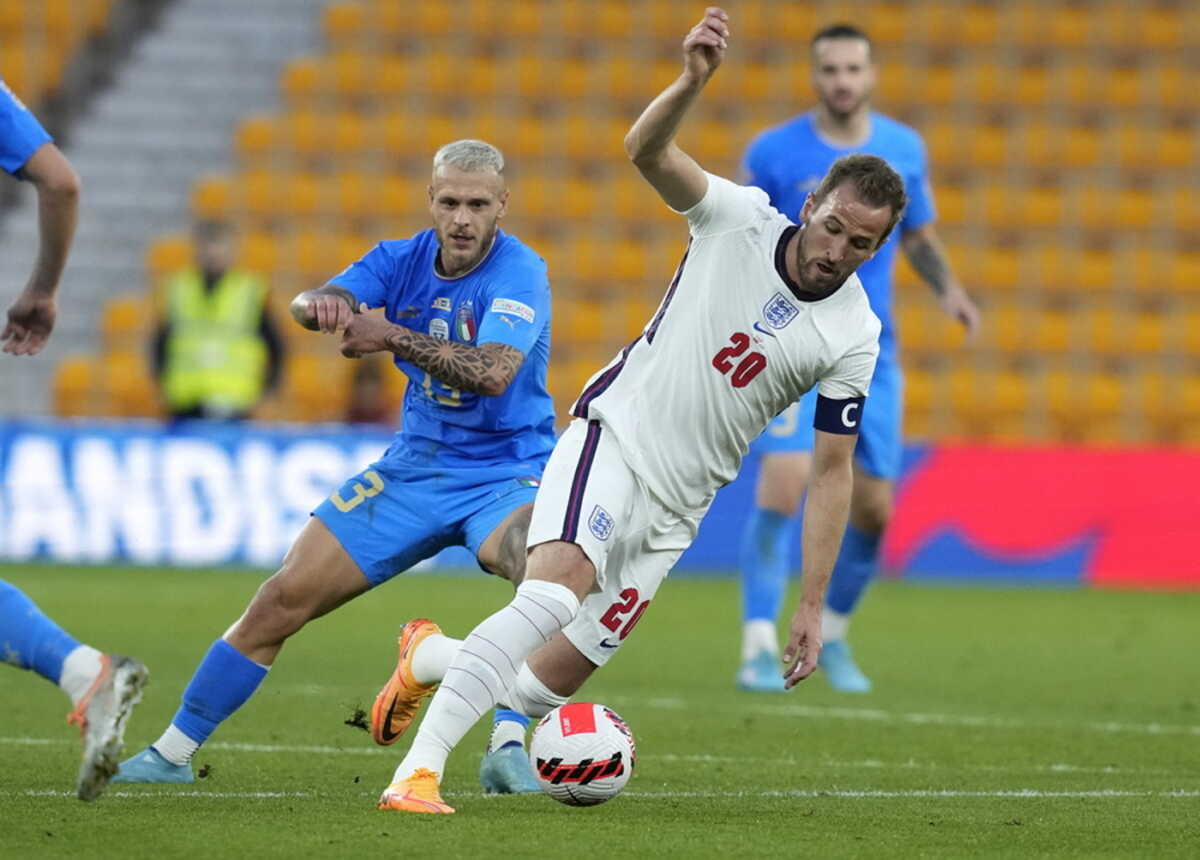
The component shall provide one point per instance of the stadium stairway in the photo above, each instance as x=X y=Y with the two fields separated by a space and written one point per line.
x=168 y=117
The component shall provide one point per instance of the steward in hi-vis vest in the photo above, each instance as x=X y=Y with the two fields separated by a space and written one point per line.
x=216 y=351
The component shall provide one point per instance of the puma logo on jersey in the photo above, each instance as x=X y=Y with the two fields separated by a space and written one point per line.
x=780 y=311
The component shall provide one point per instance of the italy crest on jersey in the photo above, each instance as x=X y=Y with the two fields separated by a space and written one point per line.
x=464 y=325
x=779 y=311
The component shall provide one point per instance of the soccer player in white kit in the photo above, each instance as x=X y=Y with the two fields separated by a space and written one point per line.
x=759 y=311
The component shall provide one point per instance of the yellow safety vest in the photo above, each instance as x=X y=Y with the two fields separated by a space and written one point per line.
x=215 y=355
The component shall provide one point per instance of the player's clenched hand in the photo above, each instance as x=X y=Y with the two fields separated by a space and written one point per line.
x=329 y=313
x=365 y=333
x=704 y=46
x=803 y=647
x=30 y=320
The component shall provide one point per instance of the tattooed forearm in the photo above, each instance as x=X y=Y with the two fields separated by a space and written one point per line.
x=929 y=259
x=486 y=369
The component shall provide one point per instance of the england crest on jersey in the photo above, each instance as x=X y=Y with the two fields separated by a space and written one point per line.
x=779 y=311
x=601 y=523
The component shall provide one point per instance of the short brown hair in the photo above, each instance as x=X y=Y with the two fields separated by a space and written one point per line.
x=874 y=181
x=841 y=31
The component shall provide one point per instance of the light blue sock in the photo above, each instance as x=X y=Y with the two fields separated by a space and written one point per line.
x=28 y=638
x=223 y=682
x=764 y=564
x=856 y=564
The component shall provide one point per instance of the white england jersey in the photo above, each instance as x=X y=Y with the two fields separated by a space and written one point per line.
x=730 y=347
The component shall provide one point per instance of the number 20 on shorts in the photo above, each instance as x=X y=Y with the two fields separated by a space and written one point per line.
x=747 y=368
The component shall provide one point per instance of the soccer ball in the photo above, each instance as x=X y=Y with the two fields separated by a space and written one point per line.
x=583 y=754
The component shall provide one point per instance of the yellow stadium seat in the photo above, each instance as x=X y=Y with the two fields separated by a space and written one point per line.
x=1005 y=329
x=302 y=81
x=125 y=321
x=74 y=386
x=951 y=204
x=1184 y=272
x=1095 y=270
x=580 y=322
x=166 y=255
x=213 y=198
x=1051 y=331
x=346 y=27
x=1103 y=330
x=126 y=384
x=256 y=139
x=919 y=389
x=1147 y=333
x=1184 y=208
x=258 y=252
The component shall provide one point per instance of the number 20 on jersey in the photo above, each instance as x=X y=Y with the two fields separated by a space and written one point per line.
x=744 y=366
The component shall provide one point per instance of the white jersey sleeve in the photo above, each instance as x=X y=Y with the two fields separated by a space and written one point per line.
x=851 y=374
x=727 y=206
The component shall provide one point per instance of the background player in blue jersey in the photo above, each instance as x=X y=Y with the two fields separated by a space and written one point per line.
x=466 y=312
x=787 y=162
x=103 y=687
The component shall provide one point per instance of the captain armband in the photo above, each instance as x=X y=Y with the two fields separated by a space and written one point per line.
x=838 y=416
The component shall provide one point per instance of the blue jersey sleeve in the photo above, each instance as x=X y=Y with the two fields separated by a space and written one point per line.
x=920 y=209
x=756 y=171
x=21 y=135
x=369 y=277
x=518 y=308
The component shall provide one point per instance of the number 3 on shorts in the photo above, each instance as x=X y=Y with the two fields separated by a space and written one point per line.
x=360 y=492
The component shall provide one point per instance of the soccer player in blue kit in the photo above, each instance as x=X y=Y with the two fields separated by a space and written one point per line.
x=103 y=688
x=467 y=316
x=787 y=162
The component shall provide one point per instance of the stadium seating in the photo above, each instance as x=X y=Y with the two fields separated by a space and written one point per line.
x=1062 y=138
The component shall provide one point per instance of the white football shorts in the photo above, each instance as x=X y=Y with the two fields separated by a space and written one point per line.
x=590 y=497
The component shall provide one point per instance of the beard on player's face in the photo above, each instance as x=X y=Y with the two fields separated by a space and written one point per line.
x=464 y=244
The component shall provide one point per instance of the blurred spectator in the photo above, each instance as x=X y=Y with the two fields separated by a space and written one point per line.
x=216 y=351
x=369 y=399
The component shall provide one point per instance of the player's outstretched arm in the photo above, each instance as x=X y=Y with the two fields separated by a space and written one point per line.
x=650 y=143
x=924 y=251
x=31 y=317
x=825 y=515
x=326 y=309
x=487 y=369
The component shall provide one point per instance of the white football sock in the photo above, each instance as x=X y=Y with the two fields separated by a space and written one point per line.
x=530 y=696
x=758 y=634
x=175 y=746
x=485 y=667
x=432 y=658
x=79 y=671
x=834 y=625
x=506 y=732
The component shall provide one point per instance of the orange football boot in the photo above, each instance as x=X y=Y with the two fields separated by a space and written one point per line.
x=397 y=703
x=418 y=793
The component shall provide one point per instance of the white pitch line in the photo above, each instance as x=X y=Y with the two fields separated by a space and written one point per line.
x=967 y=720
x=919 y=793
x=812 y=794
x=702 y=758
x=152 y=794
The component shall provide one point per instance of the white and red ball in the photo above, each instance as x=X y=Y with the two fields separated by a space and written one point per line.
x=583 y=753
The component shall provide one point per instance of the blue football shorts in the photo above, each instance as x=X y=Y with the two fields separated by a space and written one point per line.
x=880 y=444
x=395 y=513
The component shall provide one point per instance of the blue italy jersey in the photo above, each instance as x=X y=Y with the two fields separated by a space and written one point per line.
x=21 y=135
x=789 y=160
x=505 y=299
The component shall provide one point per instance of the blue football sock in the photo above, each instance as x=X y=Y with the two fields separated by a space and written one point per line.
x=223 y=682
x=764 y=564
x=856 y=564
x=28 y=638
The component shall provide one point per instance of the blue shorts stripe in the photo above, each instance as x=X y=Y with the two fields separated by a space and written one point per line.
x=579 y=483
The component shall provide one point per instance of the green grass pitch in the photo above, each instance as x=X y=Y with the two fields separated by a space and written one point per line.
x=1010 y=723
